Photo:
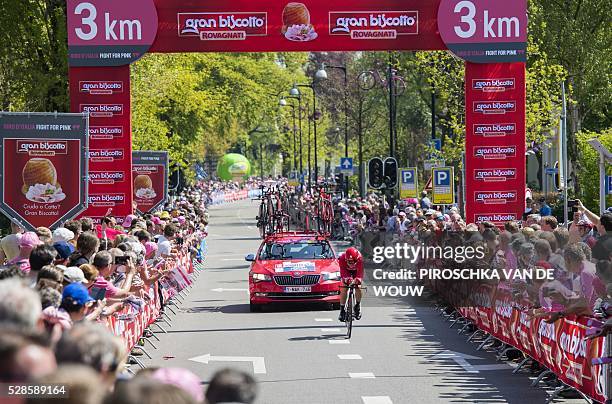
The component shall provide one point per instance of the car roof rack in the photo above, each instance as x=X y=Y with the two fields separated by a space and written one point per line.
x=297 y=234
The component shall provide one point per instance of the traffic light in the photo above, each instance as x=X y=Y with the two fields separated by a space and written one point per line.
x=390 y=172
x=376 y=173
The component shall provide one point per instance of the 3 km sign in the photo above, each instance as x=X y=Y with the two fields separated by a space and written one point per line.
x=105 y=36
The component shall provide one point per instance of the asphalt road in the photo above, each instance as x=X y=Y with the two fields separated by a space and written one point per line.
x=399 y=353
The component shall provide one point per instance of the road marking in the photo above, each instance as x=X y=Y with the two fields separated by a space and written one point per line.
x=229 y=290
x=259 y=364
x=461 y=359
x=350 y=357
x=330 y=330
x=339 y=341
x=232 y=259
x=376 y=400
x=323 y=320
x=366 y=375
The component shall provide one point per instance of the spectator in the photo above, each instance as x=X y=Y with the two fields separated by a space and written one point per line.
x=76 y=301
x=545 y=210
x=27 y=242
x=549 y=223
x=44 y=234
x=425 y=201
x=19 y=305
x=87 y=246
x=602 y=250
x=24 y=356
x=75 y=227
x=92 y=345
x=80 y=382
x=9 y=246
x=40 y=257
x=231 y=386
x=64 y=251
x=183 y=379
x=145 y=390
x=164 y=243
x=103 y=261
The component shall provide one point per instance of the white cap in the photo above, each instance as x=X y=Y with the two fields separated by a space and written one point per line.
x=74 y=274
x=62 y=234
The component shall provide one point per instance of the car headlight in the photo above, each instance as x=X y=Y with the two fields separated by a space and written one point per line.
x=261 y=277
x=331 y=276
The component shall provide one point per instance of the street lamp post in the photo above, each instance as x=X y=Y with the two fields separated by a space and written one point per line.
x=283 y=103
x=346 y=114
x=321 y=74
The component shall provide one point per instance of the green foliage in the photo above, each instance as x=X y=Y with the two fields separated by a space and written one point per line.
x=589 y=167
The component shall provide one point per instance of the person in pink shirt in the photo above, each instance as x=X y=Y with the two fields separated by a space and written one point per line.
x=27 y=242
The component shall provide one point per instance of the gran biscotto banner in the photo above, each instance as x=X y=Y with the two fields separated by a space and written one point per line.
x=562 y=346
x=104 y=93
x=114 y=32
x=44 y=169
x=495 y=142
x=150 y=179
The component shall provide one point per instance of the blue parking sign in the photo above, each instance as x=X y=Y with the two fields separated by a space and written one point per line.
x=443 y=186
x=408 y=183
x=609 y=182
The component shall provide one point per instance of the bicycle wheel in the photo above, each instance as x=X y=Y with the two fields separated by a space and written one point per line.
x=329 y=216
x=349 y=314
x=261 y=220
x=367 y=80
x=270 y=215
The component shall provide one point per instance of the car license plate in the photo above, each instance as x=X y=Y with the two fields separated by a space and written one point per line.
x=297 y=289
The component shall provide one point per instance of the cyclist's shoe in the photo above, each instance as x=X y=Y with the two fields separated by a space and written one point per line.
x=342 y=316
x=357 y=311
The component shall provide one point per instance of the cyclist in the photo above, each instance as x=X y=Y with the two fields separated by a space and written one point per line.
x=351 y=272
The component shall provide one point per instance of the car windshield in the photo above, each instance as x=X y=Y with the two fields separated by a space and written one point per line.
x=296 y=250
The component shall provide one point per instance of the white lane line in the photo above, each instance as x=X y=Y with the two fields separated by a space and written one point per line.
x=323 y=320
x=350 y=357
x=330 y=330
x=232 y=259
x=339 y=341
x=376 y=400
x=365 y=375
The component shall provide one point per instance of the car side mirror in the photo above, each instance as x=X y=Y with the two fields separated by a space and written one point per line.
x=250 y=258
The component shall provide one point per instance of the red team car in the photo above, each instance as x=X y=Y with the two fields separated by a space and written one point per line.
x=294 y=267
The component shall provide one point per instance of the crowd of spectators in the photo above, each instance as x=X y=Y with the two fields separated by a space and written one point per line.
x=578 y=254
x=58 y=288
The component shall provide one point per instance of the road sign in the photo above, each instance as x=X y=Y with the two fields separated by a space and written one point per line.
x=408 y=183
x=443 y=192
x=259 y=363
x=436 y=144
x=376 y=173
x=390 y=172
x=609 y=183
x=552 y=170
x=293 y=179
x=346 y=165
x=429 y=164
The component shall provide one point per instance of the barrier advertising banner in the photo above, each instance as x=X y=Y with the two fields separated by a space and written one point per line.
x=44 y=167
x=495 y=142
x=104 y=92
x=150 y=179
x=408 y=183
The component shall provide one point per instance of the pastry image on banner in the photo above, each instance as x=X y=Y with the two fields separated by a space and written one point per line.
x=296 y=23
x=143 y=187
x=40 y=182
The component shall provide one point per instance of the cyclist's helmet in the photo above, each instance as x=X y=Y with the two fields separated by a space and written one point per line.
x=352 y=256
